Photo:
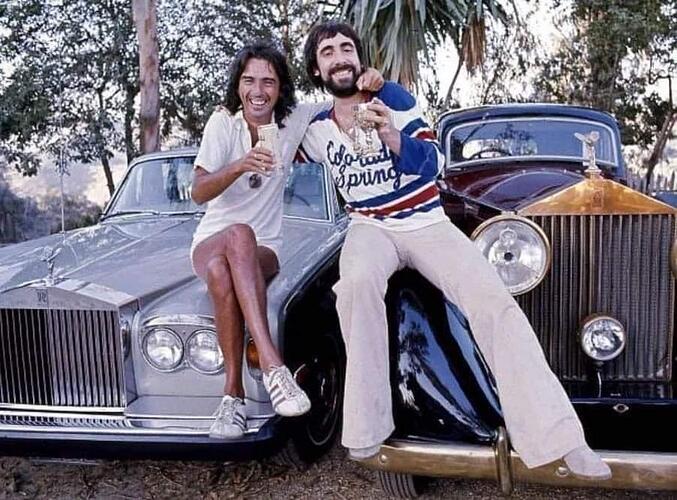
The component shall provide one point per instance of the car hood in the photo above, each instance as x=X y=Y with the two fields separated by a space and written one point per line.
x=552 y=190
x=141 y=258
x=136 y=257
x=509 y=187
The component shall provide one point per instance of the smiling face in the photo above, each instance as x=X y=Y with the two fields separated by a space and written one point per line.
x=338 y=64
x=259 y=90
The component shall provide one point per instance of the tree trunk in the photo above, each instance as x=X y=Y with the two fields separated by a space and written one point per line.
x=659 y=146
x=108 y=173
x=130 y=95
x=145 y=19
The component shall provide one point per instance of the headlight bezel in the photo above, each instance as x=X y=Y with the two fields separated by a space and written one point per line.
x=146 y=355
x=479 y=230
x=189 y=360
x=587 y=323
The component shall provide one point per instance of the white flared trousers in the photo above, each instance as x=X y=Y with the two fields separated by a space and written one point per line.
x=539 y=417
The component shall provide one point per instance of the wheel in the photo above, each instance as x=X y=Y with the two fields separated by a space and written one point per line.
x=321 y=377
x=401 y=485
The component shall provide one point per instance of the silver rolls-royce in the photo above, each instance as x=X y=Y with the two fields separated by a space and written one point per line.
x=107 y=342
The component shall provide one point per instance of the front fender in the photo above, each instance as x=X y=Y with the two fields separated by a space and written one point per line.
x=442 y=388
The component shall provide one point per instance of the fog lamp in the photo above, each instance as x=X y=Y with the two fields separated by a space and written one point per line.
x=602 y=337
x=162 y=349
x=203 y=352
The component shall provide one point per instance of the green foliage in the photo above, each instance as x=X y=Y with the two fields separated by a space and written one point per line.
x=512 y=50
x=396 y=32
x=615 y=51
x=198 y=41
x=73 y=79
x=74 y=71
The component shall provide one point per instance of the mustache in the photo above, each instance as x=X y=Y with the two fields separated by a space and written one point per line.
x=342 y=67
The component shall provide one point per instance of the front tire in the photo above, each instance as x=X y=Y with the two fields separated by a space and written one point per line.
x=401 y=485
x=321 y=377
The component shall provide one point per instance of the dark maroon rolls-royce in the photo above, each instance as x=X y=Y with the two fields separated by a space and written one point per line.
x=541 y=189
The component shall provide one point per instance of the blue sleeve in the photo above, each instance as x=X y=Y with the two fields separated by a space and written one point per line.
x=419 y=152
x=418 y=157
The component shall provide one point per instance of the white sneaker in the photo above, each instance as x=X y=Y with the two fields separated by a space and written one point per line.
x=287 y=397
x=230 y=420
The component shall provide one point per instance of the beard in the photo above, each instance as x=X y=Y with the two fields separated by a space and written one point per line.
x=345 y=88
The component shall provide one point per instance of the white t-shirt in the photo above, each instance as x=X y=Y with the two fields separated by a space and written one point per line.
x=225 y=139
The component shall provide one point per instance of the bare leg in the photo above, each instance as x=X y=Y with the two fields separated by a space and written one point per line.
x=229 y=323
x=212 y=266
x=249 y=268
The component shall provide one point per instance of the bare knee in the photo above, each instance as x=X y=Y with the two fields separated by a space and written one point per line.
x=239 y=238
x=219 y=282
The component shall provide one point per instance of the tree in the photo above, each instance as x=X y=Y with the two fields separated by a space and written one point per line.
x=512 y=51
x=145 y=18
x=198 y=41
x=611 y=53
x=73 y=81
x=395 y=32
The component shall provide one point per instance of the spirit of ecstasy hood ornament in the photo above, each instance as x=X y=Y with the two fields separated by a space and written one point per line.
x=589 y=141
x=49 y=256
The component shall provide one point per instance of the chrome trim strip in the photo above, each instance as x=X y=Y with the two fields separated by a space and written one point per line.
x=49 y=410
x=631 y=469
x=129 y=427
x=179 y=319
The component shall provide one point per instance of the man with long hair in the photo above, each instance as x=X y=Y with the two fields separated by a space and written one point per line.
x=236 y=245
x=397 y=220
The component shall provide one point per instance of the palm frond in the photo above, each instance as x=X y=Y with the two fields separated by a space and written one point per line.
x=395 y=33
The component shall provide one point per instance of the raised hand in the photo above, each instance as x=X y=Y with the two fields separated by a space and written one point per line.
x=371 y=80
x=258 y=160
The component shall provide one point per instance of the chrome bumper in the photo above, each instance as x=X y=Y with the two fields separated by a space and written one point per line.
x=631 y=469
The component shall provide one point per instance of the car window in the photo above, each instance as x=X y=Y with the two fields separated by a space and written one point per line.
x=161 y=185
x=305 y=193
x=526 y=137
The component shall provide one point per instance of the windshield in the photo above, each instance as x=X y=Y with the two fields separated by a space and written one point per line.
x=162 y=186
x=527 y=137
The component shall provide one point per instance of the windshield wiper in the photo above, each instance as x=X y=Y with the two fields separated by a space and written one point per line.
x=131 y=212
x=184 y=212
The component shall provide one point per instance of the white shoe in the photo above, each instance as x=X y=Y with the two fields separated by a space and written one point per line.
x=230 y=419
x=363 y=453
x=287 y=397
x=586 y=464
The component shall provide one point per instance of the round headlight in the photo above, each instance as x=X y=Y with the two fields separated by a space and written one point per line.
x=203 y=352
x=602 y=337
x=163 y=349
x=517 y=248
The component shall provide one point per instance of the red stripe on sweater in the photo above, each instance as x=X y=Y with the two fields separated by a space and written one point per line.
x=421 y=197
x=426 y=134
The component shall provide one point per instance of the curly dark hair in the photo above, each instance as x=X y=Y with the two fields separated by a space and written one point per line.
x=320 y=32
x=267 y=52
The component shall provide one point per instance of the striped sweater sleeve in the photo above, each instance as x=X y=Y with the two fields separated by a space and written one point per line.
x=420 y=152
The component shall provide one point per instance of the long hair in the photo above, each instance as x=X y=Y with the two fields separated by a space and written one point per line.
x=321 y=32
x=269 y=53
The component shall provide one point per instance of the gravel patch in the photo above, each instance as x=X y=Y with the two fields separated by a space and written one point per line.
x=333 y=477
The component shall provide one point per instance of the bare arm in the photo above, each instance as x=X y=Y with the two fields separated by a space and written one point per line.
x=207 y=186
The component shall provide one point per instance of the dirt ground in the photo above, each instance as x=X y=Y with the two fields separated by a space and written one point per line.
x=333 y=477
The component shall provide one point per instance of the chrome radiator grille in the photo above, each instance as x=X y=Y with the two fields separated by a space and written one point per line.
x=69 y=358
x=613 y=264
